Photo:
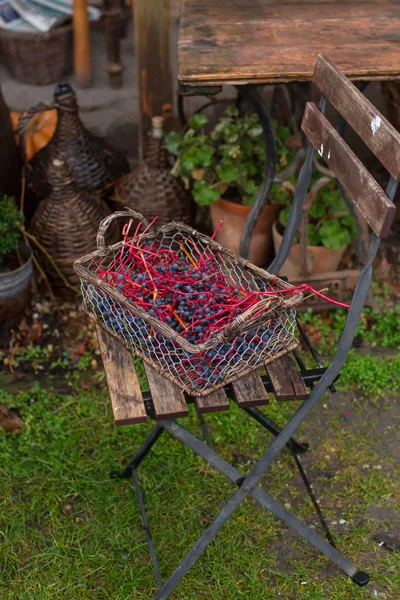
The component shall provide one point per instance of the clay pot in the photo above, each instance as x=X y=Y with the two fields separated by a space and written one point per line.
x=15 y=293
x=234 y=217
x=319 y=258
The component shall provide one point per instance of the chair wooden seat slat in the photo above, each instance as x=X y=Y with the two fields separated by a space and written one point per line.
x=123 y=384
x=250 y=391
x=286 y=380
x=168 y=400
x=214 y=402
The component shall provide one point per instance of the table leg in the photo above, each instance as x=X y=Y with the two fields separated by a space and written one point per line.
x=252 y=95
x=82 y=57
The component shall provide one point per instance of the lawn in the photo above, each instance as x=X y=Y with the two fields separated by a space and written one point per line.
x=69 y=532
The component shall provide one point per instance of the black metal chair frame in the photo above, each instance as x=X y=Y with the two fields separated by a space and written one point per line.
x=319 y=380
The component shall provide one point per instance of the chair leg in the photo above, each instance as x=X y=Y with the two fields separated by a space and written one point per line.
x=295 y=448
x=147 y=445
x=313 y=499
x=146 y=527
x=204 y=428
x=247 y=487
x=273 y=428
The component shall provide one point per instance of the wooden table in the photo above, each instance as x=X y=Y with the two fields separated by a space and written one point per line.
x=252 y=42
x=267 y=41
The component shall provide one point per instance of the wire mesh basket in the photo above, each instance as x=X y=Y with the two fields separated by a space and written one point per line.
x=197 y=363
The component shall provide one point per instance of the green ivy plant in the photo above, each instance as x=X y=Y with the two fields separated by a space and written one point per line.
x=227 y=162
x=11 y=221
x=330 y=223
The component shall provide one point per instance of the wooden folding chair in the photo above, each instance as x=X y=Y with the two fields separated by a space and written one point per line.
x=165 y=402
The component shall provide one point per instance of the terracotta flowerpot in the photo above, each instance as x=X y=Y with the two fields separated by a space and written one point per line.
x=319 y=258
x=234 y=217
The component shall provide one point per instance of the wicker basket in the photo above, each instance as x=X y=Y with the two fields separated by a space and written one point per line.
x=151 y=189
x=260 y=334
x=95 y=164
x=66 y=223
x=37 y=58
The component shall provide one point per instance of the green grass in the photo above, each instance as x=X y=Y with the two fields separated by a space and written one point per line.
x=68 y=532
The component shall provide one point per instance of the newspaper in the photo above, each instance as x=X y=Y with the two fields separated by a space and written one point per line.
x=10 y=19
x=39 y=15
x=66 y=7
x=42 y=19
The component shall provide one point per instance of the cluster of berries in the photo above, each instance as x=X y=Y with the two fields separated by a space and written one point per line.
x=190 y=293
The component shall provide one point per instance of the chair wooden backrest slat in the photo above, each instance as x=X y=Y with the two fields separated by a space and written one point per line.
x=372 y=202
x=372 y=127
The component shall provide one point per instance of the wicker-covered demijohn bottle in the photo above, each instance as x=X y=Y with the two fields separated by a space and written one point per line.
x=95 y=164
x=66 y=223
x=151 y=189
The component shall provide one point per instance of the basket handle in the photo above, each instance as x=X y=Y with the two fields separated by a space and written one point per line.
x=105 y=224
x=24 y=121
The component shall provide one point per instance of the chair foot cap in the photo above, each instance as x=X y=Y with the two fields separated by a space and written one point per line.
x=360 y=578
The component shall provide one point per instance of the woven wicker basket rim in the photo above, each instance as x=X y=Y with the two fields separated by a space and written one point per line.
x=230 y=330
x=34 y=35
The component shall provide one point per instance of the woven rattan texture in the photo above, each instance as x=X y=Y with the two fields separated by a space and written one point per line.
x=66 y=222
x=151 y=189
x=259 y=335
x=95 y=164
x=37 y=58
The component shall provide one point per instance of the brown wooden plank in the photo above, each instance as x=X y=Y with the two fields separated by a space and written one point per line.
x=123 y=384
x=286 y=379
x=168 y=400
x=213 y=402
x=153 y=61
x=281 y=383
x=300 y=389
x=250 y=391
x=372 y=202
x=227 y=42
x=215 y=12
x=376 y=131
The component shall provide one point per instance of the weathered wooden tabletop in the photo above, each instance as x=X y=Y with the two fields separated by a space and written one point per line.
x=267 y=41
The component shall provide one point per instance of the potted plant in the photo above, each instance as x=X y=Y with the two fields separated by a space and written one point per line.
x=15 y=262
x=330 y=227
x=224 y=170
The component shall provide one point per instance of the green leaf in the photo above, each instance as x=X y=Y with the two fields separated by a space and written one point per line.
x=173 y=143
x=228 y=172
x=284 y=216
x=11 y=220
x=198 y=120
x=232 y=111
x=251 y=187
x=204 y=155
x=204 y=194
x=333 y=235
x=317 y=210
x=187 y=163
x=189 y=135
x=314 y=238
x=282 y=133
x=255 y=131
